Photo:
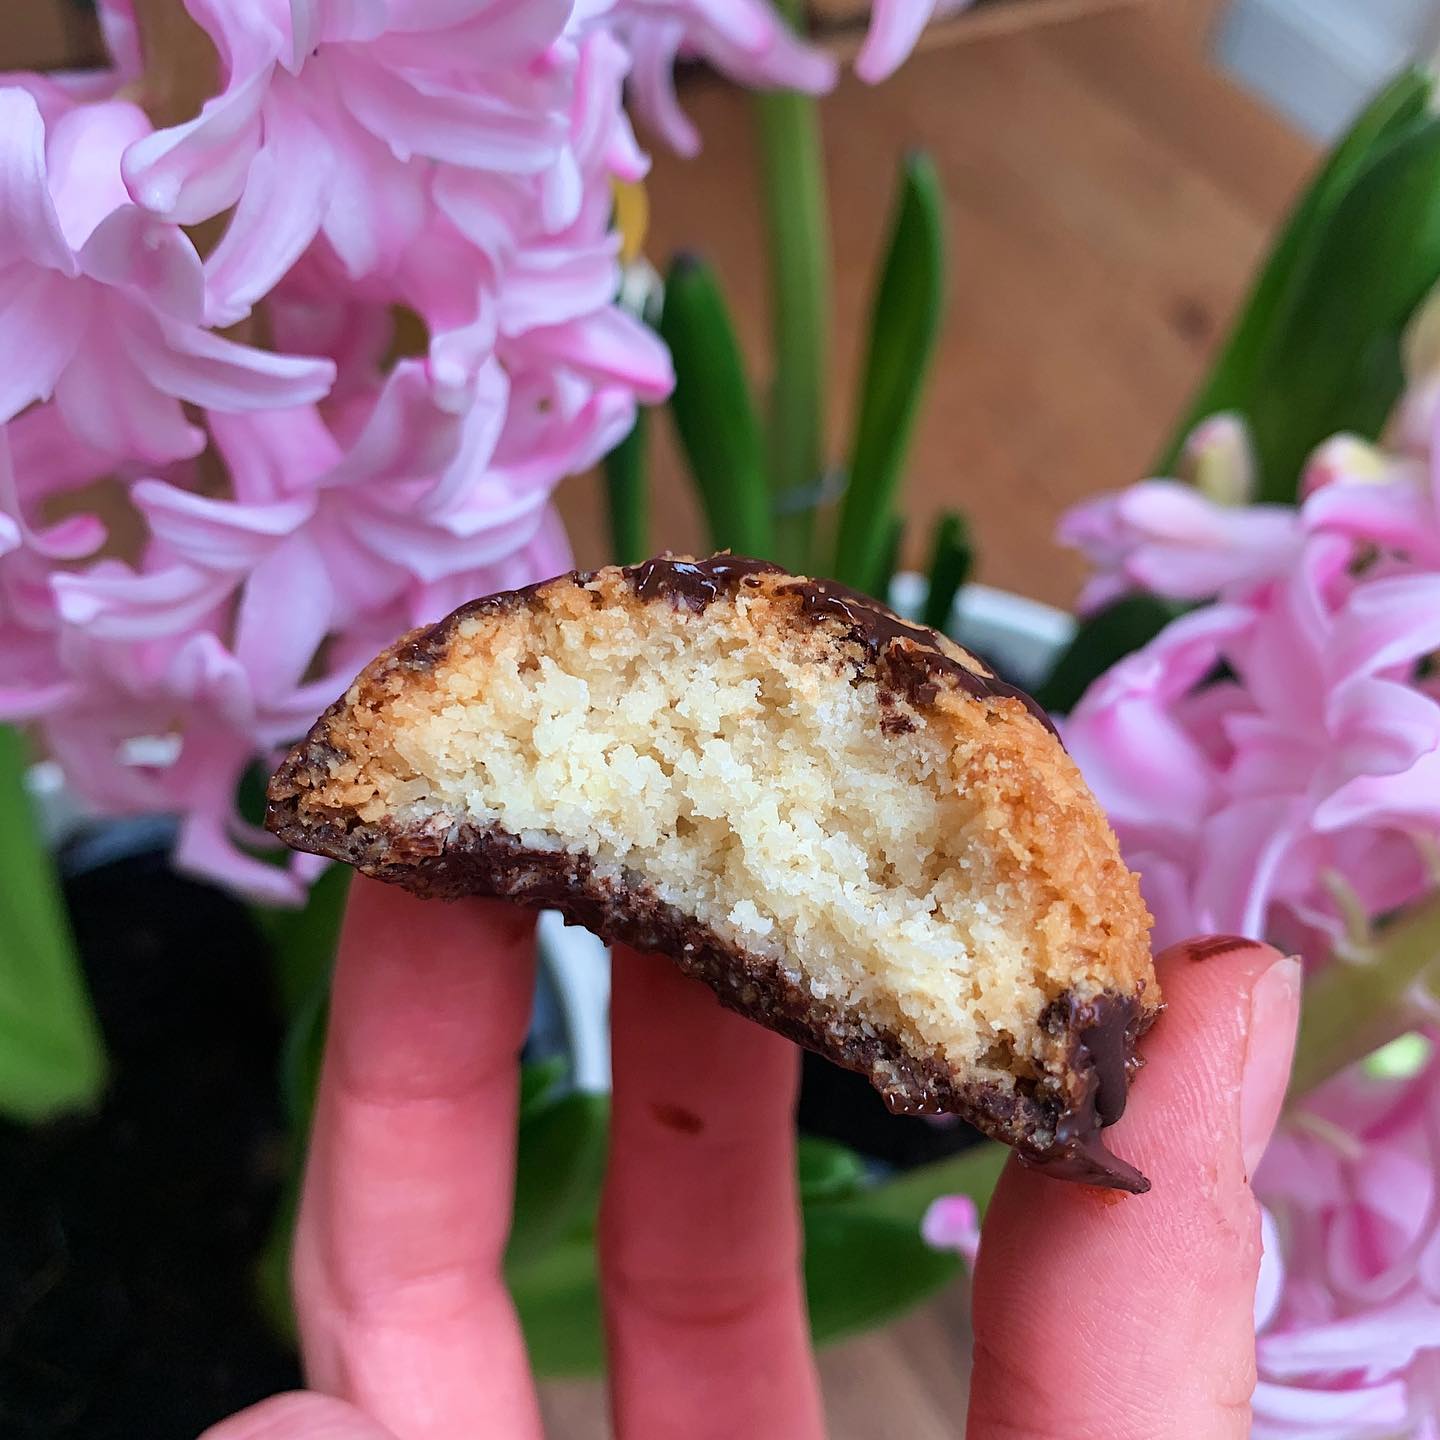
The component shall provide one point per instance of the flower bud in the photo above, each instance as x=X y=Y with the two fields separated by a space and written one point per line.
x=1219 y=460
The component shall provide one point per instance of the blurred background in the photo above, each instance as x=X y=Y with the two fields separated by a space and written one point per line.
x=1113 y=171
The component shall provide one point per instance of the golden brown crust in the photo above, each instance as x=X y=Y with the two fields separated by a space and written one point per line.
x=1084 y=912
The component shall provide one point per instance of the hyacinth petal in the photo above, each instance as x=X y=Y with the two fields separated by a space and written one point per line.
x=115 y=603
x=1328 y=1414
x=782 y=61
x=491 y=211
x=274 y=455
x=952 y=1223
x=279 y=214
x=49 y=456
x=1413 y=795
x=1383 y=727
x=503 y=34
x=111 y=406
x=475 y=129
x=480 y=433
x=611 y=347
x=217 y=534
x=408 y=434
x=84 y=149
x=652 y=80
x=323 y=22
x=377 y=206
x=133 y=251
x=1242 y=849
x=191 y=172
x=1389 y=622
x=29 y=225
x=1380 y=1342
x=220 y=374
x=554 y=284
x=285 y=612
x=203 y=849
x=432 y=550
x=895 y=26
x=42 y=317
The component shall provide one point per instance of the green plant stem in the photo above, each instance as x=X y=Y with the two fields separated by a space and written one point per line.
x=628 y=494
x=797 y=234
x=52 y=1057
x=1351 y=1008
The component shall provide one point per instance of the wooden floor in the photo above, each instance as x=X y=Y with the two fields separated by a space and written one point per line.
x=1109 y=196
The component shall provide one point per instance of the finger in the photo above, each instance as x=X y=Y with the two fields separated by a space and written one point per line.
x=1099 y=1315
x=700 y=1232
x=407 y=1196
x=298 y=1417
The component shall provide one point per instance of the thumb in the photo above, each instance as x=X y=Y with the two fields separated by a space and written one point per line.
x=1107 y=1317
x=301 y=1416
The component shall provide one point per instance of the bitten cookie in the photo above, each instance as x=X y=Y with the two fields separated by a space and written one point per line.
x=842 y=822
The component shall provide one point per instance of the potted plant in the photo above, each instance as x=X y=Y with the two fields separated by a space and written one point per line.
x=331 y=430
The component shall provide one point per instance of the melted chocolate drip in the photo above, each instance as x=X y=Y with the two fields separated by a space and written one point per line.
x=695 y=583
x=910 y=655
x=1104 y=1032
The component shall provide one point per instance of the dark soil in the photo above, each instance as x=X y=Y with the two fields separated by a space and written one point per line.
x=128 y=1240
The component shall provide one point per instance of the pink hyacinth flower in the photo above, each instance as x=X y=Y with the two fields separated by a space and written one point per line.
x=105 y=303
x=895 y=28
x=1166 y=538
x=325 y=105
x=1349 y=1311
x=953 y=1223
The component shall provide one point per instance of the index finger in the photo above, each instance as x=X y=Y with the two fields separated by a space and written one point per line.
x=407 y=1198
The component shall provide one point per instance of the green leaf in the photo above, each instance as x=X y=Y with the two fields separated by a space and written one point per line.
x=1103 y=639
x=557 y=1296
x=792 y=171
x=1351 y=1008
x=538 y=1084
x=1335 y=360
x=304 y=942
x=301 y=1056
x=52 y=1058
x=865 y=1262
x=889 y=559
x=952 y=557
x=1240 y=373
x=904 y=323
x=828 y=1171
x=714 y=415
x=862 y=1269
x=560 y=1163
x=907 y=1196
x=272 y=1270
x=627 y=490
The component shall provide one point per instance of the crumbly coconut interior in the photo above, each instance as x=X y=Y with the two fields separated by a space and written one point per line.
x=747 y=778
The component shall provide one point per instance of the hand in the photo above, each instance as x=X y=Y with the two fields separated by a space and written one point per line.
x=1095 y=1315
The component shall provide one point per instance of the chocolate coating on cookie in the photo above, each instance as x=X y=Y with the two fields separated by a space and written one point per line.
x=1052 y=1130
x=695 y=583
x=909 y=656
x=1047 y=1087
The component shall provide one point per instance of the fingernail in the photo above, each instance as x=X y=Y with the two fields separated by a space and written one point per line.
x=1269 y=1049
x=1211 y=947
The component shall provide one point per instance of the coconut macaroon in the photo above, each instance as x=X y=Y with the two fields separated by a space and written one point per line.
x=842 y=822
